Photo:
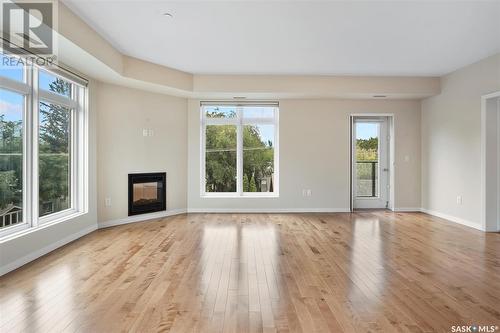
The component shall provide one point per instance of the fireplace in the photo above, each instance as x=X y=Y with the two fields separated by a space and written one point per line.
x=147 y=192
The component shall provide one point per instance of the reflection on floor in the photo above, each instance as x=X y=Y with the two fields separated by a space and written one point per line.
x=366 y=271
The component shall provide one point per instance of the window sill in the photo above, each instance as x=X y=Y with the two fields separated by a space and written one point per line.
x=61 y=216
x=43 y=223
x=239 y=196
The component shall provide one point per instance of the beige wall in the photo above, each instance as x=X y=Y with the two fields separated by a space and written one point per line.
x=123 y=114
x=451 y=141
x=314 y=154
x=310 y=130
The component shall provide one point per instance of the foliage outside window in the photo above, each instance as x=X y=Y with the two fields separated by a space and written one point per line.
x=11 y=158
x=367 y=149
x=54 y=165
x=367 y=155
x=240 y=151
x=41 y=147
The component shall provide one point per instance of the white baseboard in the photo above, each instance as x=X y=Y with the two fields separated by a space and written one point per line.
x=407 y=209
x=268 y=210
x=43 y=251
x=453 y=219
x=140 y=218
x=441 y=215
x=152 y=216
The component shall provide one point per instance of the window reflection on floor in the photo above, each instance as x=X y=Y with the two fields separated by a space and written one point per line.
x=366 y=261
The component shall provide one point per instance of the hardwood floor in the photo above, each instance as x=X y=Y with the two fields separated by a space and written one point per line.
x=368 y=271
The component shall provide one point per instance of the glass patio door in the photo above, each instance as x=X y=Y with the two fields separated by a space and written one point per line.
x=370 y=162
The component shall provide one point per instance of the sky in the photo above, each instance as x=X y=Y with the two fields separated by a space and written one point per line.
x=267 y=133
x=11 y=104
x=366 y=130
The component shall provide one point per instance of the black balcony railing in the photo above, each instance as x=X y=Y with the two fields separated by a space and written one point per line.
x=367 y=178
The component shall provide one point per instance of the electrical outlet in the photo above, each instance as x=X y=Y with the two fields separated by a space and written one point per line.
x=144 y=132
x=304 y=192
x=459 y=200
x=107 y=202
x=151 y=132
x=309 y=193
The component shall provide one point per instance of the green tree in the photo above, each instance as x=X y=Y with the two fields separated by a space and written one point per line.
x=367 y=149
x=220 y=158
x=246 y=185
x=368 y=144
x=9 y=188
x=55 y=122
x=11 y=135
x=54 y=149
x=253 y=186
x=258 y=157
x=11 y=162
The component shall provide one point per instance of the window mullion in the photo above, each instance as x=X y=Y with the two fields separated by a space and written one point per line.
x=57 y=99
x=80 y=155
x=27 y=144
x=73 y=154
x=15 y=86
x=220 y=121
x=262 y=121
x=34 y=121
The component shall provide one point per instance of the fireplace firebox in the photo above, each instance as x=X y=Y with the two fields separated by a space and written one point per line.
x=147 y=192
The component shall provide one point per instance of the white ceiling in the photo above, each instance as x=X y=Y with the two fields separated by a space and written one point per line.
x=292 y=37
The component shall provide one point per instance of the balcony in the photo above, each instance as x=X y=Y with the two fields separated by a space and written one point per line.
x=367 y=179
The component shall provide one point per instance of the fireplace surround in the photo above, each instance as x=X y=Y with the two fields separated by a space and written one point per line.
x=147 y=193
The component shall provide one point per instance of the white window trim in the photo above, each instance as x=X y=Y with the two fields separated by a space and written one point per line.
x=239 y=122
x=78 y=103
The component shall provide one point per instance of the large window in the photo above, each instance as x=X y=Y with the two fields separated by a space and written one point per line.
x=239 y=149
x=42 y=146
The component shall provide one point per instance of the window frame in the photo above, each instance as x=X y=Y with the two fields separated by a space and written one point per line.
x=78 y=105
x=239 y=121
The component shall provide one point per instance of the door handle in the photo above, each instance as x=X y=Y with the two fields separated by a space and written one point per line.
x=385 y=169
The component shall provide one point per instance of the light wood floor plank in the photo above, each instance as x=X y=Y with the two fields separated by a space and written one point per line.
x=372 y=271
